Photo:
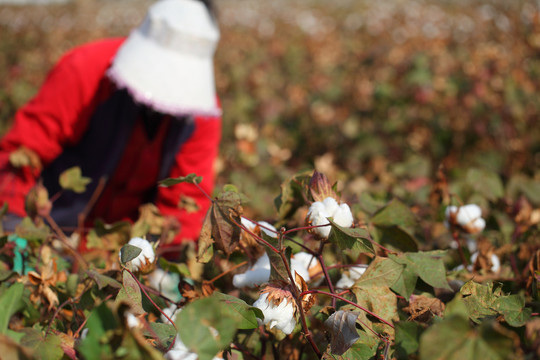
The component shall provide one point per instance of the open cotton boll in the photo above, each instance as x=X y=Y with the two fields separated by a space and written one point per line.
x=330 y=205
x=348 y=281
x=268 y=229
x=166 y=283
x=147 y=255
x=281 y=316
x=317 y=215
x=468 y=217
x=258 y=274
x=495 y=262
x=343 y=216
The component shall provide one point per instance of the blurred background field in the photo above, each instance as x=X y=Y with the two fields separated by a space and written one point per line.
x=375 y=94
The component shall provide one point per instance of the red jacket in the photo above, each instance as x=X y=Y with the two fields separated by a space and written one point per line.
x=78 y=118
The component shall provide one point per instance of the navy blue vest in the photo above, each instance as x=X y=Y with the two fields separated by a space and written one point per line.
x=100 y=150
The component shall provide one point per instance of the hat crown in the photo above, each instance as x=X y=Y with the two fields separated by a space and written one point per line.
x=181 y=25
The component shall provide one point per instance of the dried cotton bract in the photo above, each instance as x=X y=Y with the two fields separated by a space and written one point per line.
x=467 y=218
x=320 y=211
x=145 y=260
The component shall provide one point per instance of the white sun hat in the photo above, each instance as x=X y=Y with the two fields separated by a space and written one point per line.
x=167 y=62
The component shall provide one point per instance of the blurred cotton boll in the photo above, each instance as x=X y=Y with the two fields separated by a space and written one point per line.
x=166 y=283
x=468 y=218
x=495 y=262
x=259 y=273
x=347 y=281
x=319 y=212
x=145 y=259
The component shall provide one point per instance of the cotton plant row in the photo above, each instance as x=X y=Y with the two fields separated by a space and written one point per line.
x=320 y=283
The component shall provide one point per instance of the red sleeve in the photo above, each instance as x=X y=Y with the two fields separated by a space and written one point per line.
x=57 y=116
x=197 y=156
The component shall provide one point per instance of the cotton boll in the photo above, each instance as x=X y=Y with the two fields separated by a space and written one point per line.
x=146 y=256
x=166 y=283
x=348 y=281
x=258 y=274
x=132 y=321
x=280 y=316
x=330 y=205
x=495 y=262
x=171 y=312
x=268 y=228
x=317 y=215
x=343 y=216
x=467 y=217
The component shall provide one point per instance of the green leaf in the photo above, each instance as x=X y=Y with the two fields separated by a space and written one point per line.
x=72 y=179
x=397 y=238
x=130 y=294
x=394 y=214
x=406 y=283
x=514 y=310
x=101 y=325
x=364 y=348
x=292 y=195
x=10 y=303
x=194 y=322
x=347 y=238
x=378 y=299
x=164 y=333
x=191 y=178
x=129 y=252
x=28 y=230
x=480 y=299
x=407 y=338
x=48 y=347
x=103 y=280
x=244 y=315
x=381 y=272
x=485 y=182
x=429 y=266
x=172 y=267
x=454 y=339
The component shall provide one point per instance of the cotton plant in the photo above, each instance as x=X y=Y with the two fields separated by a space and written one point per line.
x=144 y=262
x=320 y=211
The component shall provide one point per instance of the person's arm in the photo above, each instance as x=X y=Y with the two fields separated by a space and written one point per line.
x=197 y=156
x=57 y=116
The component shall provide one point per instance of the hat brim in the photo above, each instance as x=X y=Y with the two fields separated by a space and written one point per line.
x=168 y=81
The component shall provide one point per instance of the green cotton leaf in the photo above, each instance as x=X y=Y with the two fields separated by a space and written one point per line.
x=428 y=265
x=480 y=299
x=513 y=309
x=194 y=323
x=205 y=251
x=101 y=325
x=172 y=267
x=10 y=303
x=48 y=347
x=72 y=179
x=364 y=348
x=407 y=338
x=397 y=238
x=369 y=204
x=342 y=328
x=191 y=178
x=244 y=315
x=130 y=294
x=378 y=299
x=164 y=333
x=406 y=283
x=485 y=182
x=12 y=349
x=351 y=238
x=454 y=339
x=103 y=280
x=395 y=213
x=129 y=252
x=381 y=272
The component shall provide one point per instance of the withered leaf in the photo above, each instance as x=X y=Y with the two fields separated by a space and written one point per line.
x=342 y=327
